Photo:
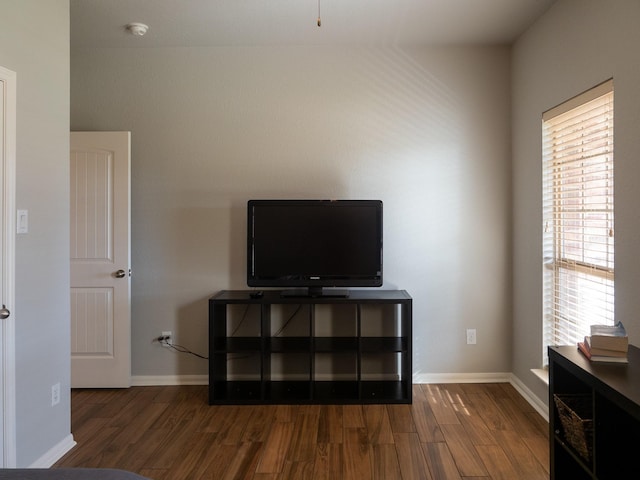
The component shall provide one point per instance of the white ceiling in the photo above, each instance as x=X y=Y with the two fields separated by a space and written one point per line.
x=180 y=23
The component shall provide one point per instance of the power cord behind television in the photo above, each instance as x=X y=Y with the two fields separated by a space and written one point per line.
x=164 y=341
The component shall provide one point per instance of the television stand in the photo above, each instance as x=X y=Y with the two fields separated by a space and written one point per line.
x=277 y=349
x=315 y=292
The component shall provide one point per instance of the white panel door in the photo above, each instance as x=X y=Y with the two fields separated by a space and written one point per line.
x=7 y=267
x=100 y=260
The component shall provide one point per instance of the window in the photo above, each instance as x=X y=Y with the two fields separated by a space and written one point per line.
x=578 y=271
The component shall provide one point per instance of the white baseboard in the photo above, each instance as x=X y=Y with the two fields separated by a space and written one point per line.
x=152 y=380
x=55 y=453
x=498 y=377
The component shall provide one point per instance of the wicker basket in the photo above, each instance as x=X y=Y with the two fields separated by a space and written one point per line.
x=576 y=417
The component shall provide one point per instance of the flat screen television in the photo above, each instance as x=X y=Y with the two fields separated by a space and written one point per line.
x=308 y=245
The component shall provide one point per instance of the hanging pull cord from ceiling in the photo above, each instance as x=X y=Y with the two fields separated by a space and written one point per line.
x=319 y=19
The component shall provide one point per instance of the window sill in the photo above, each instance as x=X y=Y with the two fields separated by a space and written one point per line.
x=542 y=374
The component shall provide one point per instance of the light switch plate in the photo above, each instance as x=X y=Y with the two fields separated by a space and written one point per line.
x=22 y=221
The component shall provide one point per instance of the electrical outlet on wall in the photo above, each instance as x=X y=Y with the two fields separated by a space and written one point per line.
x=168 y=338
x=471 y=336
x=55 y=394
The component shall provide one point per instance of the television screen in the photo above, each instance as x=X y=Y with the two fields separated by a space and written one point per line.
x=314 y=243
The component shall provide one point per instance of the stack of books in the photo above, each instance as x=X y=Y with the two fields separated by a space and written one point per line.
x=607 y=343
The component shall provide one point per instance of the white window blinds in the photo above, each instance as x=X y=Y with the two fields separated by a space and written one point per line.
x=578 y=272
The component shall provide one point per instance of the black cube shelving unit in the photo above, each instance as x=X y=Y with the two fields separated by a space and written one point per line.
x=607 y=422
x=289 y=350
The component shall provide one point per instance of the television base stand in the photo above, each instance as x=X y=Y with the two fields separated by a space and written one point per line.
x=315 y=292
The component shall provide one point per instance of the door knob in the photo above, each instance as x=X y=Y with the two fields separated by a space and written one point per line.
x=120 y=274
x=4 y=312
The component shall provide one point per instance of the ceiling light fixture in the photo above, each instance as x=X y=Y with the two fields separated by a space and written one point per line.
x=138 y=29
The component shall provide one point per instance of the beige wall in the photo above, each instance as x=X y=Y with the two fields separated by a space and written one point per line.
x=426 y=131
x=34 y=42
x=576 y=45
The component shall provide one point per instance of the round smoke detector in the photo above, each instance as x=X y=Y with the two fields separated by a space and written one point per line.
x=137 y=28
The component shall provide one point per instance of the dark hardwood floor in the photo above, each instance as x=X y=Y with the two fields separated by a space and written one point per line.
x=451 y=431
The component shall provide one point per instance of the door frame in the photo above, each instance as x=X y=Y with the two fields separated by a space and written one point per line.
x=8 y=227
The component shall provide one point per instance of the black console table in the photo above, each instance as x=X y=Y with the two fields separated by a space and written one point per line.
x=282 y=349
x=611 y=415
